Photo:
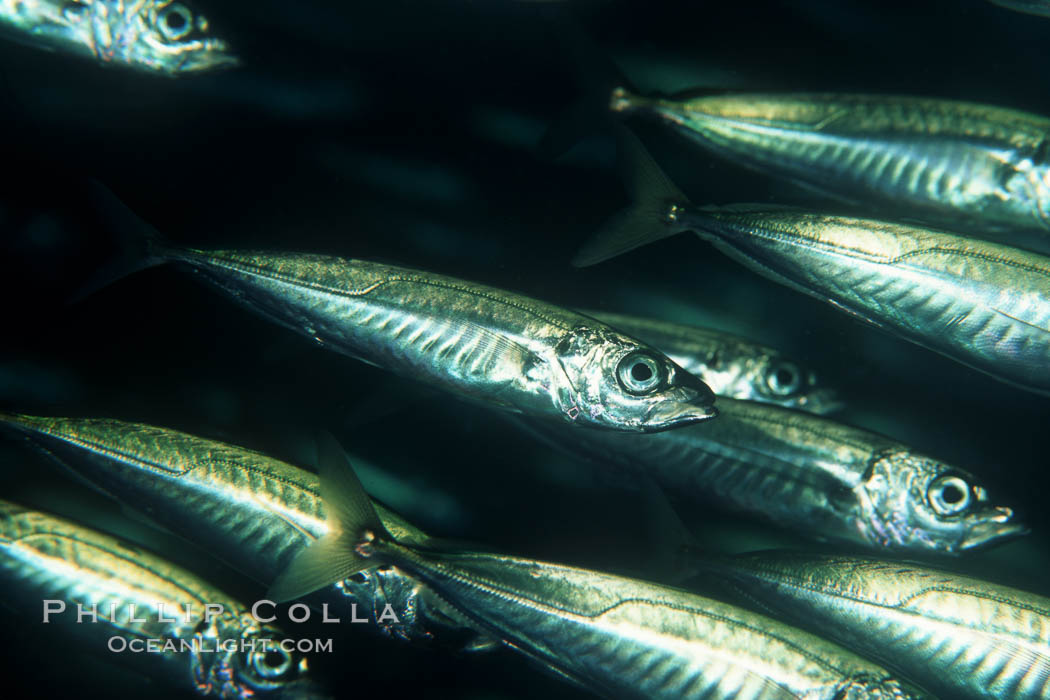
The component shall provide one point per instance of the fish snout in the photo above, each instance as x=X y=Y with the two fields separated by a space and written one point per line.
x=690 y=401
x=995 y=525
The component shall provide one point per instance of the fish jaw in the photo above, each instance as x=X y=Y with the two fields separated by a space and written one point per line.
x=993 y=530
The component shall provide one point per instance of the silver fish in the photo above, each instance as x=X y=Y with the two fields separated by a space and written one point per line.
x=484 y=344
x=731 y=365
x=982 y=304
x=252 y=511
x=1031 y=7
x=618 y=637
x=43 y=557
x=940 y=160
x=961 y=636
x=814 y=475
x=155 y=36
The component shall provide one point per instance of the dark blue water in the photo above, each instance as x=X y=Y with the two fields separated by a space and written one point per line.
x=406 y=131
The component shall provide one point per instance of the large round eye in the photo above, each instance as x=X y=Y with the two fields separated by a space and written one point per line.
x=784 y=378
x=640 y=373
x=175 y=21
x=271 y=663
x=949 y=495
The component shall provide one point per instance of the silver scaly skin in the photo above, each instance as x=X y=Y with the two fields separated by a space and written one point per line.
x=939 y=160
x=618 y=637
x=731 y=365
x=814 y=475
x=252 y=511
x=43 y=557
x=155 y=36
x=484 y=344
x=961 y=636
x=982 y=304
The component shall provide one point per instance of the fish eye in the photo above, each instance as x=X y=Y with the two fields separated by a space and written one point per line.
x=175 y=21
x=784 y=378
x=271 y=663
x=949 y=495
x=640 y=373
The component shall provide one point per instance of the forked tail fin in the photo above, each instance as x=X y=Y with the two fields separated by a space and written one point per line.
x=653 y=215
x=352 y=520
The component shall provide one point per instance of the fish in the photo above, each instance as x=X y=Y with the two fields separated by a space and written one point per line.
x=732 y=365
x=1031 y=7
x=979 y=303
x=487 y=345
x=161 y=37
x=58 y=564
x=814 y=475
x=957 y=635
x=942 y=161
x=252 y=511
x=616 y=636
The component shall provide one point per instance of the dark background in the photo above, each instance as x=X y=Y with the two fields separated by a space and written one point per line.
x=406 y=131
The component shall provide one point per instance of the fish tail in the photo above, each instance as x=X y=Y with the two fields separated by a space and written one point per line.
x=654 y=215
x=352 y=525
x=140 y=245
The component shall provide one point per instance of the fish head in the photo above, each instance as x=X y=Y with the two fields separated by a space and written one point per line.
x=616 y=382
x=773 y=378
x=871 y=686
x=262 y=667
x=158 y=36
x=912 y=502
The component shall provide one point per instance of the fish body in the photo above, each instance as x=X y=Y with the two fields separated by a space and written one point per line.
x=155 y=36
x=252 y=511
x=624 y=638
x=484 y=344
x=983 y=304
x=964 y=637
x=731 y=365
x=615 y=636
x=980 y=303
x=45 y=558
x=814 y=475
x=939 y=160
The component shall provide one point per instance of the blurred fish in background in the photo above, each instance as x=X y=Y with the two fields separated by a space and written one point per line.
x=155 y=36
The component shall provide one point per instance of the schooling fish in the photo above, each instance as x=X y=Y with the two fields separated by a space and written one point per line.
x=731 y=365
x=155 y=36
x=945 y=161
x=112 y=596
x=963 y=637
x=814 y=475
x=488 y=345
x=980 y=303
x=252 y=511
x=615 y=636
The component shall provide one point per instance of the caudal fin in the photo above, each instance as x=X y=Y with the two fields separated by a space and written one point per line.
x=652 y=216
x=352 y=520
x=139 y=244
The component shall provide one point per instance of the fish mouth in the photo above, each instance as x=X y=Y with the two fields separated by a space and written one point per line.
x=686 y=407
x=821 y=402
x=212 y=54
x=996 y=527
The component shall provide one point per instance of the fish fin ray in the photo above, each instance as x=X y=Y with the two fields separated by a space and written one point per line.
x=649 y=219
x=351 y=517
x=141 y=246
